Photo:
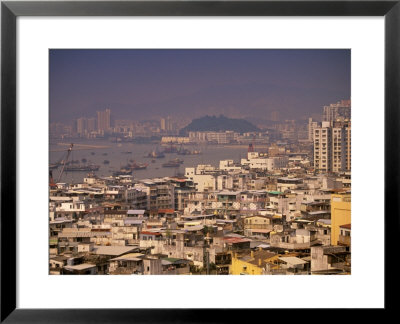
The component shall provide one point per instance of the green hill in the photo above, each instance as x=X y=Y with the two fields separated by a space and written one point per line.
x=218 y=124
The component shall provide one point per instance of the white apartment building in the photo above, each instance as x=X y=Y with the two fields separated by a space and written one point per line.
x=201 y=180
x=332 y=147
x=338 y=111
x=228 y=165
x=338 y=153
x=204 y=182
x=271 y=163
x=215 y=137
x=322 y=147
x=311 y=126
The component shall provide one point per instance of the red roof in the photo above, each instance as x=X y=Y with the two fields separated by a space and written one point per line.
x=234 y=240
x=348 y=226
x=150 y=233
x=166 y=211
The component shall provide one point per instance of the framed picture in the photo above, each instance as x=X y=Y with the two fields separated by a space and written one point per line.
x=49 y=48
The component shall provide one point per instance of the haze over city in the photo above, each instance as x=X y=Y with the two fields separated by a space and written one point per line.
x=200 y=162
x=149 y=84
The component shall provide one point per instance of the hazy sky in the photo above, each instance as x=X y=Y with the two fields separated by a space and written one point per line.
x=144 y=84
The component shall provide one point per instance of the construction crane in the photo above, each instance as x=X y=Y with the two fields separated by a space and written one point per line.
x=65 y=162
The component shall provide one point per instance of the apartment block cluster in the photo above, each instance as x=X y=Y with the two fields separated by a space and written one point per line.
x=271 y=213
x=332 y=138
x=211 y=221
x=104 y=125
x=90 y=127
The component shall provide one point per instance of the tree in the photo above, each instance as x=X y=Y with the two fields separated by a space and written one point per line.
x=168 y=234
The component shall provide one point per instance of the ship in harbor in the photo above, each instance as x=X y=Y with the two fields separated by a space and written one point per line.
x=138 y=166
x=123 y=171
x=177 y=160
x=171 y=149
x=185 y=151
x=82 y=167
x=156 y=155
x=171 y=164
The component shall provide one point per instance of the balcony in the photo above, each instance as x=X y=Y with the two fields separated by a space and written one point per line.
x=344 y=240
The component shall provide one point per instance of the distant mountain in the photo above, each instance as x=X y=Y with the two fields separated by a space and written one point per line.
x=217 y=124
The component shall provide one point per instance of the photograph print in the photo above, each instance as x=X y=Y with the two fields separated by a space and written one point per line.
x=199 y=162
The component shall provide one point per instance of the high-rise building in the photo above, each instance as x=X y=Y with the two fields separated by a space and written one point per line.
x=322 y=147
x=103 y=121
x=348 y=146
x=338 y=111
x=341 y=149
x=332 y=146
x=332 y=140
x=91 y=124
x=162 y=124
x=81 y=126
x=311 y=126
x=168 y=124
x=337 y=149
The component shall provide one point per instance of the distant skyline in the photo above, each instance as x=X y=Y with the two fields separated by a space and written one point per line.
x=147 y=84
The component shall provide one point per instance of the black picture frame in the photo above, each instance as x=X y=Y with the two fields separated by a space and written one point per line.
x=10 y=10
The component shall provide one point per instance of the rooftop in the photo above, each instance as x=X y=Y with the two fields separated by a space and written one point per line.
x=135 y=211
x=129 y=257
x=113 y=250
x=292 y=260
x=234 y=240
x=83 y=266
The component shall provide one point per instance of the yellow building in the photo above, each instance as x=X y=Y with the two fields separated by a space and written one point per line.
x=250 y=264
x=274 y=263
x=340 y=214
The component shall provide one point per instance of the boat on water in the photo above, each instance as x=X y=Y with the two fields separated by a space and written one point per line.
x=138 y=166
x=171 y=149
x=123 y=171
x=188 y=152
x=185 y=151
x=89 y=167
x=177 y=160
x=171 y=164
x=156 y=155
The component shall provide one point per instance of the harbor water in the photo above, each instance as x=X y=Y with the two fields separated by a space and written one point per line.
x=119 y=155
